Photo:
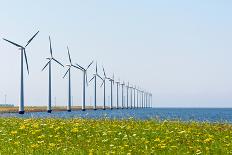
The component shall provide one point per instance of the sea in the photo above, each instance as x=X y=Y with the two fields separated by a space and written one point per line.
x=214 y=115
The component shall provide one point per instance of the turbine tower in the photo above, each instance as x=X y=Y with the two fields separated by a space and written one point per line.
x=151 y=99
x=117 y=83
x=127 y=96
x=144 y=106
x=23 y=54
x=70 y=65
x=131 y=94
x=111 y=91
x=111 y=88
x=49 y=64
x=142 y=99
x=84 y=70
x=134 y=88
x=146 y=100
x=122 y=84
x=137 y=97
x=95 y=87
x=104 y=88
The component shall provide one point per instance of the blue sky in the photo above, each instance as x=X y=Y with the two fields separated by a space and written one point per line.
x=179 y=50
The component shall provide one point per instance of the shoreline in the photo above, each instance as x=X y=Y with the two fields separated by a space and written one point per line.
x=44 y=109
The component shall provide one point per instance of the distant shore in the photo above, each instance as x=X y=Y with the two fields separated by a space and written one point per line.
x=44 y=108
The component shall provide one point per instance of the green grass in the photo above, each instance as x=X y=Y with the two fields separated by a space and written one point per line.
x=85 y=136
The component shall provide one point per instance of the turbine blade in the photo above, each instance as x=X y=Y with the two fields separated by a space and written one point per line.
x=77 y=67
x=25 y=55
x=86 y=79
x=46 y=65
x=13 y=43
x=57 y=62
x=69 y=56
x=66 y=73
x=96 y=67
x=80 y=67
x=50 y=44
x=89 y=65
x=104 y=71
x=100 y=77
x=31 y=39
x=92 y=78
x=102 y=83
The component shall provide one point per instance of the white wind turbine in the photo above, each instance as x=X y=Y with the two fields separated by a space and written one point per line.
x=131 y=98
x=70 y=65
x=23 y=54
x=117 y=84
x=84 y=70
x=134 y=88
x=111 y=88
x=137 y=98
x=127 y=96
x=122 y=84
x=49 y=64
x=104 y=88
x=95 y=87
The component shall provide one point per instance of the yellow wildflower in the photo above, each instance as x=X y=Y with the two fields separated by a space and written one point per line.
x=74 y=130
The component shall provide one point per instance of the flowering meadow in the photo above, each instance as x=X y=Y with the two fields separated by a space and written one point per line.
x=106 y=136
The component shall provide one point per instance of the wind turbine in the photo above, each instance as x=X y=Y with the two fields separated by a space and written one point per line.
x=122 y=84
x=146 y=100
x=85 y=81
x=143 y=99
x=104 y=88
x=95 y=87
x=111 y=88
x=117 y=83
x=137 y=98
x=131 y=94
x=151 y=101
x=127 y=96
x=149 y=96
x=140 y=98
x=70 y=65
x=49 y=64
x=147 y=103
x=23 y=54
x=134 y=88
x=111 y=91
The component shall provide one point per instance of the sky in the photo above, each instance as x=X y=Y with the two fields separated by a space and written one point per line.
x=180 y=51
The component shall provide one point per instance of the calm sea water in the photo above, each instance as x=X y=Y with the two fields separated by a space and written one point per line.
x=184 y=114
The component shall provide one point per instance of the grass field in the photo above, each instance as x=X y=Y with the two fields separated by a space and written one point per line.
x=83 y=136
